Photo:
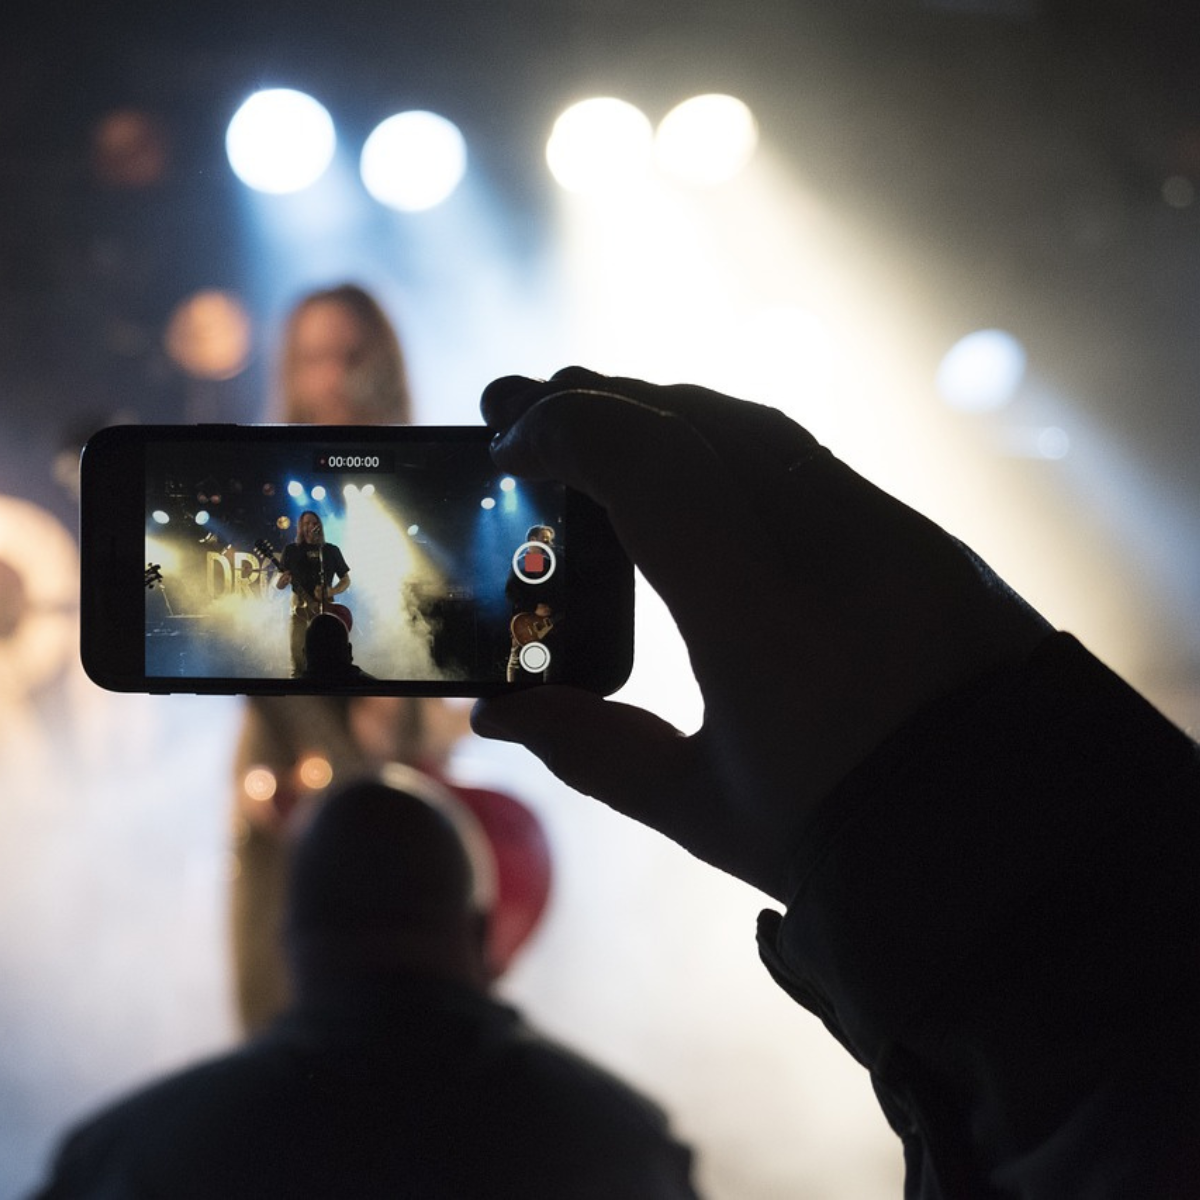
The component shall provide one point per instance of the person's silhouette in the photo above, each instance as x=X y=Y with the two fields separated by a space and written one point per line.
x=394 y=1072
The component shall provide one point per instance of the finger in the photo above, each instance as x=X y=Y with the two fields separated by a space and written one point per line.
x=761 y=451
x=670 y=497
x=630 y=759
x=753 y=432
x=574 y=731
x=505 y=400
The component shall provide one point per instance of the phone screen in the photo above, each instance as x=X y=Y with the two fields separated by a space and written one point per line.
x=286 y=558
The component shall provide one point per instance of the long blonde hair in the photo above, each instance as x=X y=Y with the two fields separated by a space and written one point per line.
x=384 y=394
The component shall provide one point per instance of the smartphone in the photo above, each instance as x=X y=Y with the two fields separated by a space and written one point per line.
x=315 y=559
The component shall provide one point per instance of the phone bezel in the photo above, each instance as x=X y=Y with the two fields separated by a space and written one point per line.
x=599 y=576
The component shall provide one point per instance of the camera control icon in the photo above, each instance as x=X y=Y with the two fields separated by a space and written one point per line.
x=534 y=658
x=534 y=562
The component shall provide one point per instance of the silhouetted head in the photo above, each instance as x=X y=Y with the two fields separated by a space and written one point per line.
x=327 y=650
x=389 y=876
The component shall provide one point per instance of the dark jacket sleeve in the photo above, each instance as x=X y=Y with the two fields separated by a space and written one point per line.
x=998 y=914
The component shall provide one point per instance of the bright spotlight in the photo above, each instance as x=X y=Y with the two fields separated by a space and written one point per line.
x=706 y=140
x=368 y=489
x=413 y=161
x=982 y=371
x=487 y=503
x=202 y=517
x=160 y=516
x=351 y=489
x=413 y=530
x=318 y=493
x=599 y=145
x=280 y=141
x=508 y=483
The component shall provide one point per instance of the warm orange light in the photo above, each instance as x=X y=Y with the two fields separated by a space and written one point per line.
x=129 y=149
x=209 y=335
x=260 y=784
x=315 y=772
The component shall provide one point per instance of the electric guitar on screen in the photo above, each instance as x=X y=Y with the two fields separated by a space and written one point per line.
x=268 y=553
x=527 y=627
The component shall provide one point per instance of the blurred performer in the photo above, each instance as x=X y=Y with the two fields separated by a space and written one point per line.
x=341 y=363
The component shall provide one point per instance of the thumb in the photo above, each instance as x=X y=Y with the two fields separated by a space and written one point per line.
x=628 y=758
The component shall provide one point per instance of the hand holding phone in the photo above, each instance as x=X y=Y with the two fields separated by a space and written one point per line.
x=864 y=610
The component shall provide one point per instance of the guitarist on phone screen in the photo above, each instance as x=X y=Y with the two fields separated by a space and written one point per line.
x=316 y=571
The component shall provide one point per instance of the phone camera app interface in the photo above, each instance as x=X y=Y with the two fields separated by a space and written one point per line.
x=415 y=561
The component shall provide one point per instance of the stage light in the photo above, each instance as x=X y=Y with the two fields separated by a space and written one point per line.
x=1048 y=442
x=166 y=554
x=39 y=598
x=706 y=140
x=295 y=490
x=318 y=493
x=208 y=335
x=259 y=784
x=599 y=145
x=413 y=530
x=160 y=516
x=982 y=371
x=315 y=772
x=507 y=483
x=130 y=149
x=487 y=503
x=1053 y=443
x=413 y=161
x=202 y=517
x=351 y=489
x=280 y=141
x=368 y=489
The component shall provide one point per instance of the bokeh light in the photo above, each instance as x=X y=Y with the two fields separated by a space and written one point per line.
x=208 y=335
x=413 y=161
x=706 y=140
x=600 y=145
x=315 y=772
x=260 y=784
x=280 y=141
x=129 y=149
x=982 y=371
